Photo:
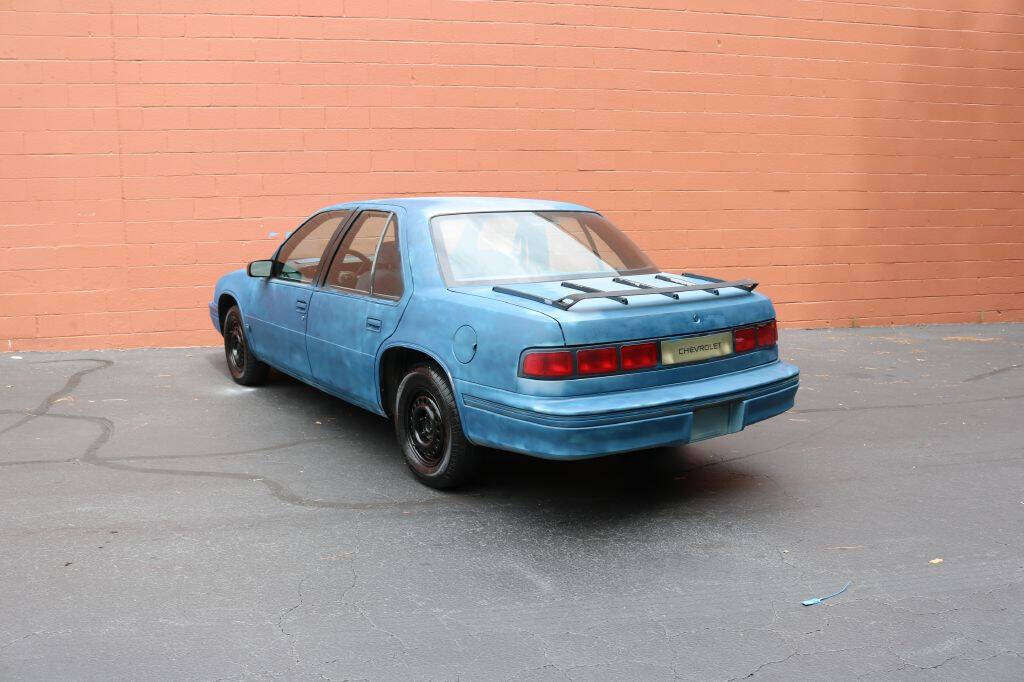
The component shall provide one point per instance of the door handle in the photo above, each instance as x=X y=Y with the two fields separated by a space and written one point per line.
x=301 y=305
x=373 y=324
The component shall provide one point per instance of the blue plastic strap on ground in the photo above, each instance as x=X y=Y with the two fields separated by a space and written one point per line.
x=818 y=600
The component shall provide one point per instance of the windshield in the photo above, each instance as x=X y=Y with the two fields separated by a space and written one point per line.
x=533 y=246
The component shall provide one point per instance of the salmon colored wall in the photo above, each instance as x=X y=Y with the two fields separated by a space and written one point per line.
x=863 y=160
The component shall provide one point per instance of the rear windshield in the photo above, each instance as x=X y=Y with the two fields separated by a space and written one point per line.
x=533 y=246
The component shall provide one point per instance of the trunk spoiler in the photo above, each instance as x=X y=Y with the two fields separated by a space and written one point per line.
x=637 y=289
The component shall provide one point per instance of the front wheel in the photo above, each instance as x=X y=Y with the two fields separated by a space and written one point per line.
x=429 y=430
x=244 y=367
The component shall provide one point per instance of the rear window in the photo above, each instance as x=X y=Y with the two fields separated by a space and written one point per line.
x=532 y=246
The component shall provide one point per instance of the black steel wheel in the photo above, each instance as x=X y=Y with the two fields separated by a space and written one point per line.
x=426 y=430
x=244 y=367
x=429 y=430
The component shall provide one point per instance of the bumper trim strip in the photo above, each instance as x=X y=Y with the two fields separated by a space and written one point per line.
x=584 y=421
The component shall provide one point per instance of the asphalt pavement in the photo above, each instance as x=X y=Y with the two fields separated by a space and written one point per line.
x=159 y=522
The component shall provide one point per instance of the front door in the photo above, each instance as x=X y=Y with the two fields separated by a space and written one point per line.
x=278 y=313
x=357 y=308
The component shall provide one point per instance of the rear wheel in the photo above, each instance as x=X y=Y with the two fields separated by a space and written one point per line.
x=429 y=430
x=244 y=367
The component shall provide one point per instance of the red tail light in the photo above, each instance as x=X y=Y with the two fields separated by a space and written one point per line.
x=744 y=339
x=564 y=364
x=639 y=356
x=597 y=360
x=548 y=364
x=767 y=334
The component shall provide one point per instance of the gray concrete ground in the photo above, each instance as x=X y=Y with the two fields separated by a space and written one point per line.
x=160 y=522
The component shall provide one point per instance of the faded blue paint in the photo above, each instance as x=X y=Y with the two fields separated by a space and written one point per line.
x=277 y=325
x=464 y=343
x=345 y=332
x=331 y=345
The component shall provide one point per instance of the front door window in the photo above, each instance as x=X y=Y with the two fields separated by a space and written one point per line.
x=299 y=257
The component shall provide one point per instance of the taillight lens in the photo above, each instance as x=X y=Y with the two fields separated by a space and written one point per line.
x=744 y=339
x=639 y=356
x=548 y=364
x=767 y=334
x=597 y=360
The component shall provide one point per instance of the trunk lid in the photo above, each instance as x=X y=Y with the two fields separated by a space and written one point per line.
x=601 y=320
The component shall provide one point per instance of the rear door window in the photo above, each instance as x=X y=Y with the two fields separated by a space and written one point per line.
x=368 y=258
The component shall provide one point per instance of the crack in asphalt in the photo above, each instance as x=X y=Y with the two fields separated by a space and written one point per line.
x=191 y=455
x=70 y=385
x=106 y=426
x=905 y=406
x=986 y=375
x=286 y=612
x=90 y=454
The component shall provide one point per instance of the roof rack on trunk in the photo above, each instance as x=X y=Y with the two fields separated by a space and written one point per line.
x=641 y=285
x=639 y=289
x=668 y=278
x=592 y=290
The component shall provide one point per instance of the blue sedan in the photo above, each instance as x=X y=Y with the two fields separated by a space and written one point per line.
x=531 y=326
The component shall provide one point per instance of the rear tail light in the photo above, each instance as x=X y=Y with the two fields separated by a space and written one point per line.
x=548 y=364
x=767 y=334
x=597 y=360
x=640 y=355
x=609 y=359
x=749 y=338
x=744 y=339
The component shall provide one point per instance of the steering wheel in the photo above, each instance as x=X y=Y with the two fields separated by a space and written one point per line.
x=364 y=260
x=349 y=279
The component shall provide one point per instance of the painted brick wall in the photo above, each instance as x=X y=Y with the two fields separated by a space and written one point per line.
x=863 y=160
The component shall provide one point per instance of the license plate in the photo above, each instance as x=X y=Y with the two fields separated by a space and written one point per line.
x=709 y=422
x=695 y=348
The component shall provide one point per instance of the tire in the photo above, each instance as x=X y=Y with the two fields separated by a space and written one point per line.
x=244 y=367
x=429 y=430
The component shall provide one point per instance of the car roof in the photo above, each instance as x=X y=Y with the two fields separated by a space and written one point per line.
x=428 y=207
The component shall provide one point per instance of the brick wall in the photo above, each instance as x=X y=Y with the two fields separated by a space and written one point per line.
x=862 y=160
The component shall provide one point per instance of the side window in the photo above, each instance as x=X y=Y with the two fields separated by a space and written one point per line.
x=300 y=256
x=368 y=255
x=387 y=271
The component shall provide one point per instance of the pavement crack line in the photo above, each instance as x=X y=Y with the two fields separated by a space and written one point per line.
x=995 y=372
x=18 y=639
x=43 y=408
x=191 y=455
x=90 y=455
x=905 y=406
x=286 y=612
x=797 y=654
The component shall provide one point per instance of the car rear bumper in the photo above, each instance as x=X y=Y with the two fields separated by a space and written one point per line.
x=590 y=426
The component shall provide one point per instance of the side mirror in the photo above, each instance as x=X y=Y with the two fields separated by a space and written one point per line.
x=260 y=268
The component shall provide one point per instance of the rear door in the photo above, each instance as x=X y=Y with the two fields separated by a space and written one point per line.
x=357 y=306
x=277 y=314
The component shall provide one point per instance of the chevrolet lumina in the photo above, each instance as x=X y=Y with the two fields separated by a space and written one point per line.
x=531 y=326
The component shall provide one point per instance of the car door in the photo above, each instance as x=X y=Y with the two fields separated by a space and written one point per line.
x=357 y=306
x=277 y=315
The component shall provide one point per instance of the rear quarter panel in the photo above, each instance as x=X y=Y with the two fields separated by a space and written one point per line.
x=501 y=331
x=435 y=313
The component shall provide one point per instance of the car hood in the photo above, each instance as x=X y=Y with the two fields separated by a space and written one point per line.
x=602 y=320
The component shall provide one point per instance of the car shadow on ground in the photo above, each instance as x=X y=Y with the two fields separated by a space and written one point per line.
x=634 y=482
